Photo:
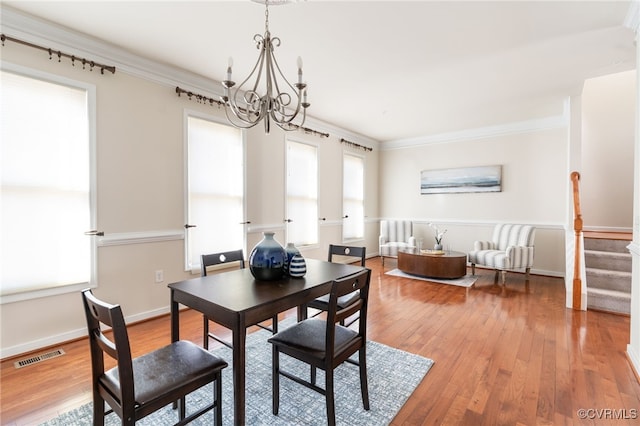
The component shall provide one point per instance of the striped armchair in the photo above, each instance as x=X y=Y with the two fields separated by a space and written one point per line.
x=394 y=235
x=510 y=248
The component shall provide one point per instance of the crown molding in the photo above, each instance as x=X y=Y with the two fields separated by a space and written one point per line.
x=528 y=126
x=26 y=27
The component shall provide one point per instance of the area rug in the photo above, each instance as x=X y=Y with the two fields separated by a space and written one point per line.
x=393 y=376
x=466 y=281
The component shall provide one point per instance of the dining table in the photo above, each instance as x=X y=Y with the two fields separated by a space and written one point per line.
x=236 y=300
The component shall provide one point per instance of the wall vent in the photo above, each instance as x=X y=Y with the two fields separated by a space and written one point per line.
x=38 y=358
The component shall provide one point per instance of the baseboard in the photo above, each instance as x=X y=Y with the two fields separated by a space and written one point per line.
x=634 y=360
x=59 y=339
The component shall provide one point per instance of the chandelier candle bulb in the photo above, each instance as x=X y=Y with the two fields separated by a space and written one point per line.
x=299 y=70
x=229 y=68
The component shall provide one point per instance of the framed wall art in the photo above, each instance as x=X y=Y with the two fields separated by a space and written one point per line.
x=464 y=179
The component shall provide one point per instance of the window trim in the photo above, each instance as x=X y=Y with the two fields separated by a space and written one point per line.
x=186 y=113
x=93 y=214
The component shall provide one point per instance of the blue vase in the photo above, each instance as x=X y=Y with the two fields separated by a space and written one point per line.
x=291 y=251
x=297 y=266
x=267 y=259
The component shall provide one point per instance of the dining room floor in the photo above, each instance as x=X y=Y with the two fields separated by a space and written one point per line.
x=504 y=355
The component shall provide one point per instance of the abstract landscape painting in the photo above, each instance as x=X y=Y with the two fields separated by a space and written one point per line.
x=465 y=179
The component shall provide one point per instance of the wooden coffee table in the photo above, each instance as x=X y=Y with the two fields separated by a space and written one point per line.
x=451 y=264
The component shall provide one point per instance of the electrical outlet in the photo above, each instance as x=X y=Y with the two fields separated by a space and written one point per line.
x=159 y=275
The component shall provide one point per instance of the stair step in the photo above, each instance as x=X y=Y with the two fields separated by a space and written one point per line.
x=609 y=300
x=608 y=260
x=599 y=244
x=608 y=280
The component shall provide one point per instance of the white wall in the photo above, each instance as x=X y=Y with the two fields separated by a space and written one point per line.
x=534 y=176
x=607 y=151
x=140 y=191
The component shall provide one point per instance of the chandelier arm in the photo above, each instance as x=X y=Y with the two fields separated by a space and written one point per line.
x=290 y=127
x=280 y=114
x=242 y=124
x=253 y=113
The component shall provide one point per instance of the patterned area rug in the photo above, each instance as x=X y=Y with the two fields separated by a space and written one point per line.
x=466 y=281
x=393 y=375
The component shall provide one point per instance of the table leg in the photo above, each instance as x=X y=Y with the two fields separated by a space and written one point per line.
x=175 y=320
x=175 y=327
x=239 y=363
x=302 y=312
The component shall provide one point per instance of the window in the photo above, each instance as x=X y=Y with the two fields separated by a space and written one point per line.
x=47 y=181
x=302 y=194
x=215 y=189
x=353 y=197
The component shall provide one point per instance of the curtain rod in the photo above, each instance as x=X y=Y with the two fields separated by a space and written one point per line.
x=199 y=98
x=355 y=145
x=205 y=99
x=60 y=54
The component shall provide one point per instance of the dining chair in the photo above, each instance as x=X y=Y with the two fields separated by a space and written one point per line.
x=213 y=259
x=322 y=303
x=325 y=344
x=137 y=387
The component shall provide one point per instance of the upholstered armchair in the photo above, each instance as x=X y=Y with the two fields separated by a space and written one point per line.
x=510 y=248
x=394 y=235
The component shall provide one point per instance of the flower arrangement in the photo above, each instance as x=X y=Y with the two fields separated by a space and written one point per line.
x=439 y=234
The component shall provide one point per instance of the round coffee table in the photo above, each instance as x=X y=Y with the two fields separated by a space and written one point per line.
x=451 y=264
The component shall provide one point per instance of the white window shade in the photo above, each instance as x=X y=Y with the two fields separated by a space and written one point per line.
x=215 y=190
x=302 y=193
x=353 y=197
x=46 y=185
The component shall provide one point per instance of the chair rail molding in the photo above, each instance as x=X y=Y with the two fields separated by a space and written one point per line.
x=124 y=238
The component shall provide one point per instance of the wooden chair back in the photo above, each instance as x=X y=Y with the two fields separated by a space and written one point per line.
x=220 y=258
x=350 y=251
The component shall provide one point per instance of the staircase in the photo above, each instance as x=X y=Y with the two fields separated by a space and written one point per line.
x=608 y=270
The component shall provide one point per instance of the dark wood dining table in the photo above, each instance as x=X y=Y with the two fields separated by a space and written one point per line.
x=236 y=300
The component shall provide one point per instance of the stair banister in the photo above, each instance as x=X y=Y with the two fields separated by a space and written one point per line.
x=577 y=228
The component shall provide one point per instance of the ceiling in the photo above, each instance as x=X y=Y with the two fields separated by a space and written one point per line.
x=388 y=70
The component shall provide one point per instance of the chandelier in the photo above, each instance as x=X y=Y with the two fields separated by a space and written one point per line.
x=281 y=102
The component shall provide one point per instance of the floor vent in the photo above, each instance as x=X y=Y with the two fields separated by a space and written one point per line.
x=38 y=358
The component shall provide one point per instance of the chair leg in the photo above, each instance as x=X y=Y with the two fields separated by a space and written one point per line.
x=98 y=410
x=526 y=275
x=364 y=386
x=218 y=398
x=275 y=380
x=382 y=261
x=274 y=324
x=182 y=408
x=205 y=336
x=313 y=374
x=473 y=269
x=504 y=277
x=331 y=404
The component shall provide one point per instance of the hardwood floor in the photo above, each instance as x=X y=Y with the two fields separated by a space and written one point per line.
x=509 y=355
